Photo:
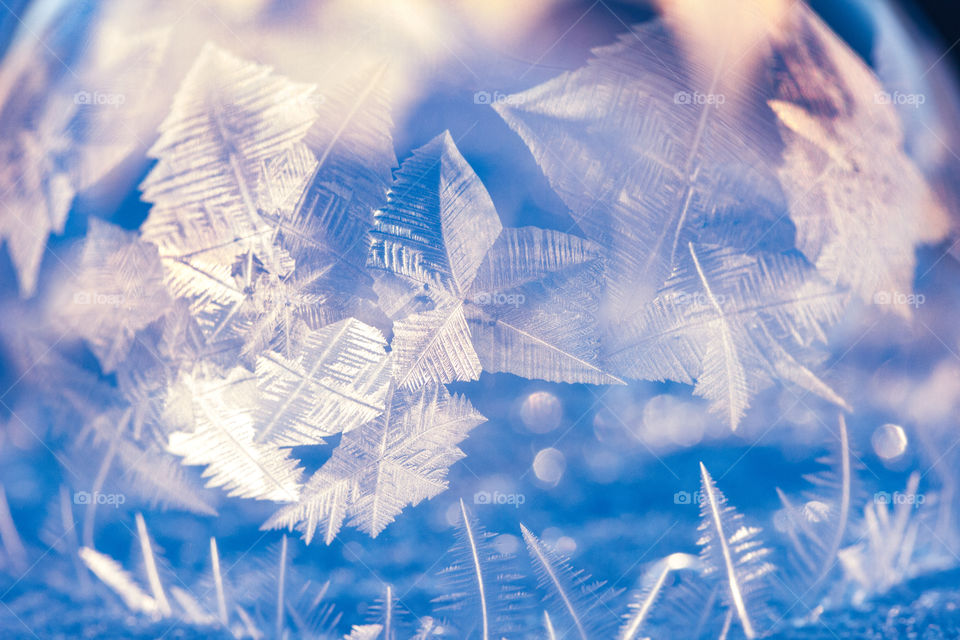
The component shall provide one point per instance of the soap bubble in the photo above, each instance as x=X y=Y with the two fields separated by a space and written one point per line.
x=541 y=412
x=889 y=441
x=549 y=465
x=671 y=419
x=566 y=544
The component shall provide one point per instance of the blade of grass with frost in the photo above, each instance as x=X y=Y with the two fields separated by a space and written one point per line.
x=218 y=582
x=385 y=608
x=153 y=576
x=475 y=555
x=248 y=624
x=281 y=585
x=101 y=477
x=733 y=549
x=9 y=536
x=814 y=545
x=388 y=606
x=646 y=597
x=113 y=575
x=309 y=615
x=881 y=559
x=73 y=541
x=902 y=509
x=388 y=612
x=548 y=627
x=798 y=524
x=192 y=611
x=727 y=623
x=269 y=587
x=580 y=606
x=686 y=605
x=482 y=585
